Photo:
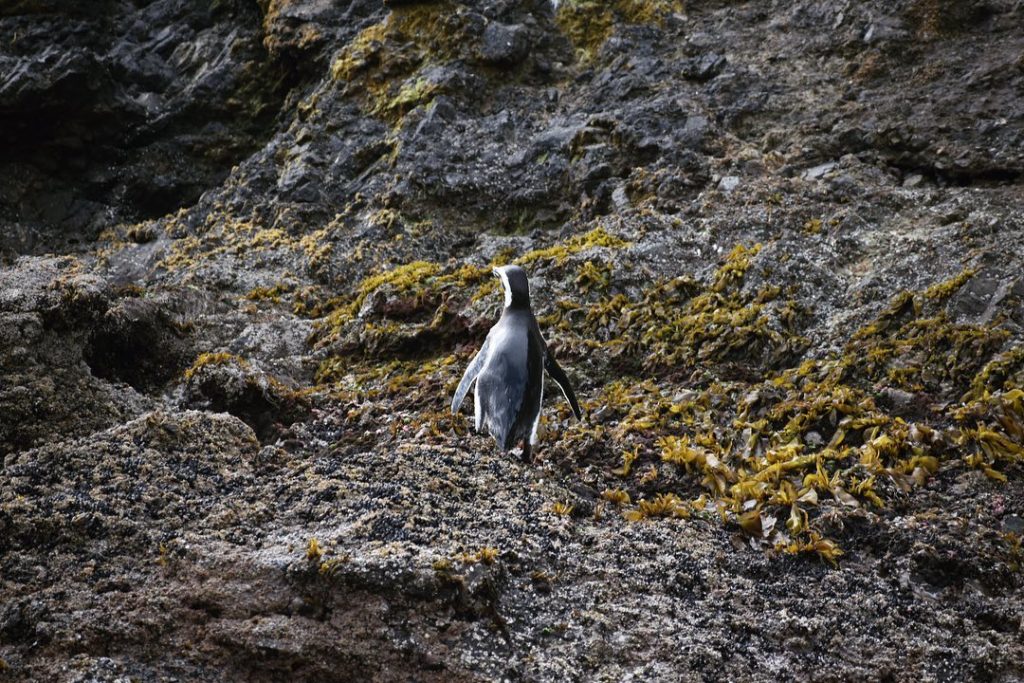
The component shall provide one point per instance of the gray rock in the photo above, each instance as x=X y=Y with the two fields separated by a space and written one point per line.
x=620 y=198
x=438 y=114
x=886 y=30
x=68 y=353
x=729 y=183
x=978 y=300
x=705 y=67
x=820 y=171
x=1013 y=524
x=504 y=45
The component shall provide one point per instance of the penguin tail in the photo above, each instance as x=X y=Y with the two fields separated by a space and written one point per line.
x=503 y=435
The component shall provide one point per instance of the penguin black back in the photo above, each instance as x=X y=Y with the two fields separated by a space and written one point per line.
x=509 y=370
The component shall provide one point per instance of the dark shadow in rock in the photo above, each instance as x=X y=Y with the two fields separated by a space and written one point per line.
x=139 y=343
x=224 y=383
x=126 y=113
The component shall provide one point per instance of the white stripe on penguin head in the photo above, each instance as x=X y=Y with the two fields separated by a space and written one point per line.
x=505 y=284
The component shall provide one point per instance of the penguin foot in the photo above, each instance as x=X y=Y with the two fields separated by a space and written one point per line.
x=527 y=454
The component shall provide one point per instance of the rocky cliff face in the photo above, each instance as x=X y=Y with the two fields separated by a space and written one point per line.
x=246 y=254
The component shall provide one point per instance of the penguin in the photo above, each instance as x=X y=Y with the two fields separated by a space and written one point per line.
x=509 y=371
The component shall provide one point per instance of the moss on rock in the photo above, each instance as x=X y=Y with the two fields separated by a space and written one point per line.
x=589 y=23
x=382 y=64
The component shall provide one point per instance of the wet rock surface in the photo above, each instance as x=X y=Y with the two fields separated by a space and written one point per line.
x=119 y=111
x=246 y=254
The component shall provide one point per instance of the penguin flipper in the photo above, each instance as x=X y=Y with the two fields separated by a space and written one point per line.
x=467 y=377
x=557 y=374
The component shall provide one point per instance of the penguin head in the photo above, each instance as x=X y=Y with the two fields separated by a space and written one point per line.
x=517 y=287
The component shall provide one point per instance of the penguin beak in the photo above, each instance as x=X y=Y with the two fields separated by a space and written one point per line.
x=494 y=272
